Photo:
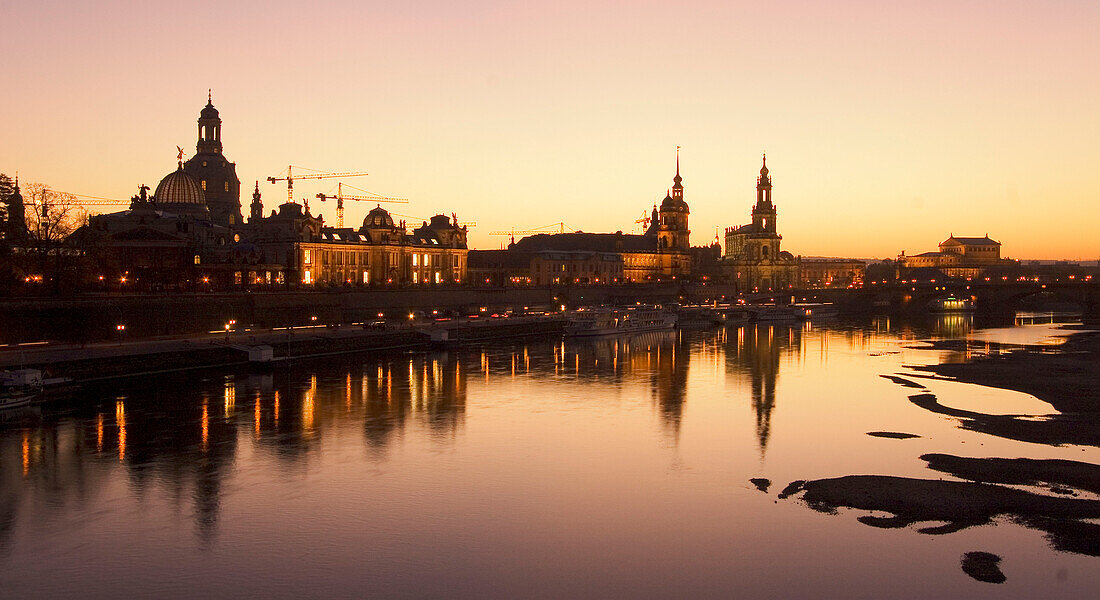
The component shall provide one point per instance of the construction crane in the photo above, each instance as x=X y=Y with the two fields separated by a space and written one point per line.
x=290 y=177
x=340 y=197
x=94 y=200
x=645 y=221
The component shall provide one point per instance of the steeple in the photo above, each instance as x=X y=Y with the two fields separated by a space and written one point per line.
x=677 y=185
x=17 y=220
x=763 y=214
x=257 y=206
x=210 y=128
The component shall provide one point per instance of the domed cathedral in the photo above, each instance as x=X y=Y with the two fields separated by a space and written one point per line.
x=753 y=258
x=216 y=175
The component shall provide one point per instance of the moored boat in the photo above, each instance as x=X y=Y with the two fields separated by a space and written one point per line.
x=951 y=304
x=588 y=322
x=816 y=310
x=19 y=387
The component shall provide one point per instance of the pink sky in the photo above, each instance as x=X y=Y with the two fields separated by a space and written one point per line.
x=887 y=126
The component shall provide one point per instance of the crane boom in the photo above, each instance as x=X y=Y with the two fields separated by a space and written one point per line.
x=340 y=197
x=94 y=200
x=290 y=177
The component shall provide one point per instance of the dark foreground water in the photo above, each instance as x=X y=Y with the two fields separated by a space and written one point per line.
x=597 y=469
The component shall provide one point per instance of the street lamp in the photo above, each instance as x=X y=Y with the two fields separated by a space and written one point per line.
x=120 y=328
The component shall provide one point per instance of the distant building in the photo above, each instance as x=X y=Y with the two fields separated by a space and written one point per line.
x=663 y=251
x=753 y=259
x=830 y=272
x=959 y=257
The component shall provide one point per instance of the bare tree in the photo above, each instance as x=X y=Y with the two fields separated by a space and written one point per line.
x=51 y=216
x=43 y=254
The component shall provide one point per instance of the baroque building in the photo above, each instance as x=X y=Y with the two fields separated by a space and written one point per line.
x=215 y=174
x=957 y=257
x=189 y=234
x=753 y=258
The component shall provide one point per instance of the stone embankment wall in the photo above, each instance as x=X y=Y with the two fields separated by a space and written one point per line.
x=95 y=318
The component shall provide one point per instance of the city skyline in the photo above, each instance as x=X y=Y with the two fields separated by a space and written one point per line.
x=884 y=134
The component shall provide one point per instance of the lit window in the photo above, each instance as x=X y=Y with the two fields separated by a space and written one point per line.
x=416 y=260
x=198 y=259
x=227 y=186
x=307 y=257
x=204 y=185
x=308 y=276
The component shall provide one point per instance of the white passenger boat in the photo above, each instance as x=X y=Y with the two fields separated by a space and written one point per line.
x=19 y=387
x=812 y=310
x=774 y=312
x=588 y=322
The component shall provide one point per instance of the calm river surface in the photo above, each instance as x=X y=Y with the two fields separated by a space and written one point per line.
x=596 y=469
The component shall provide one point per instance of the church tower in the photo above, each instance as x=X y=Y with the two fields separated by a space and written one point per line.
x=257 y=207
x=17 y=219
x=216 y=175
x=763 y=213
x=673 y=231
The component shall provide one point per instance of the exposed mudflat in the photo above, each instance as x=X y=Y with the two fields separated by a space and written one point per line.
x=949 y=506
x=983 y=566
x=896 y=435
x=1068 y=379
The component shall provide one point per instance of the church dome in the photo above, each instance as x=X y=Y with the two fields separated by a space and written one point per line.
x=670 y=203
x=378 y=217
x=178 y=191
x=209 y=112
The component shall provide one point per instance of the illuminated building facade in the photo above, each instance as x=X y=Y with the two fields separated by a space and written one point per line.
x=957 y=257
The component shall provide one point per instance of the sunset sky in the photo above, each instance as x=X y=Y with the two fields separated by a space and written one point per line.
x=887 y=125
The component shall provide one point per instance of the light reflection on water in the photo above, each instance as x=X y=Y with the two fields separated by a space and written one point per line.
x=612 y=467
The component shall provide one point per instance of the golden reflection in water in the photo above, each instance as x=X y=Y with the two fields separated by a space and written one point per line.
x=205 y=425
x=99 y=432
x=308 y=405
x=275 y=408
x=230 y=398
x=26 y=453
x=120 y=419
x=347 y=394
x=256 y=417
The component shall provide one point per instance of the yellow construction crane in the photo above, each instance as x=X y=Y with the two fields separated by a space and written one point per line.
x=340 y=197
x=290 y=177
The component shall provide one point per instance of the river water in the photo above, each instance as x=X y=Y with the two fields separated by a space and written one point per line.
x=542 y=468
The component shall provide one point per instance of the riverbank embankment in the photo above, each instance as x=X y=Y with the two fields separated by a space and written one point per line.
x=81 y=363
